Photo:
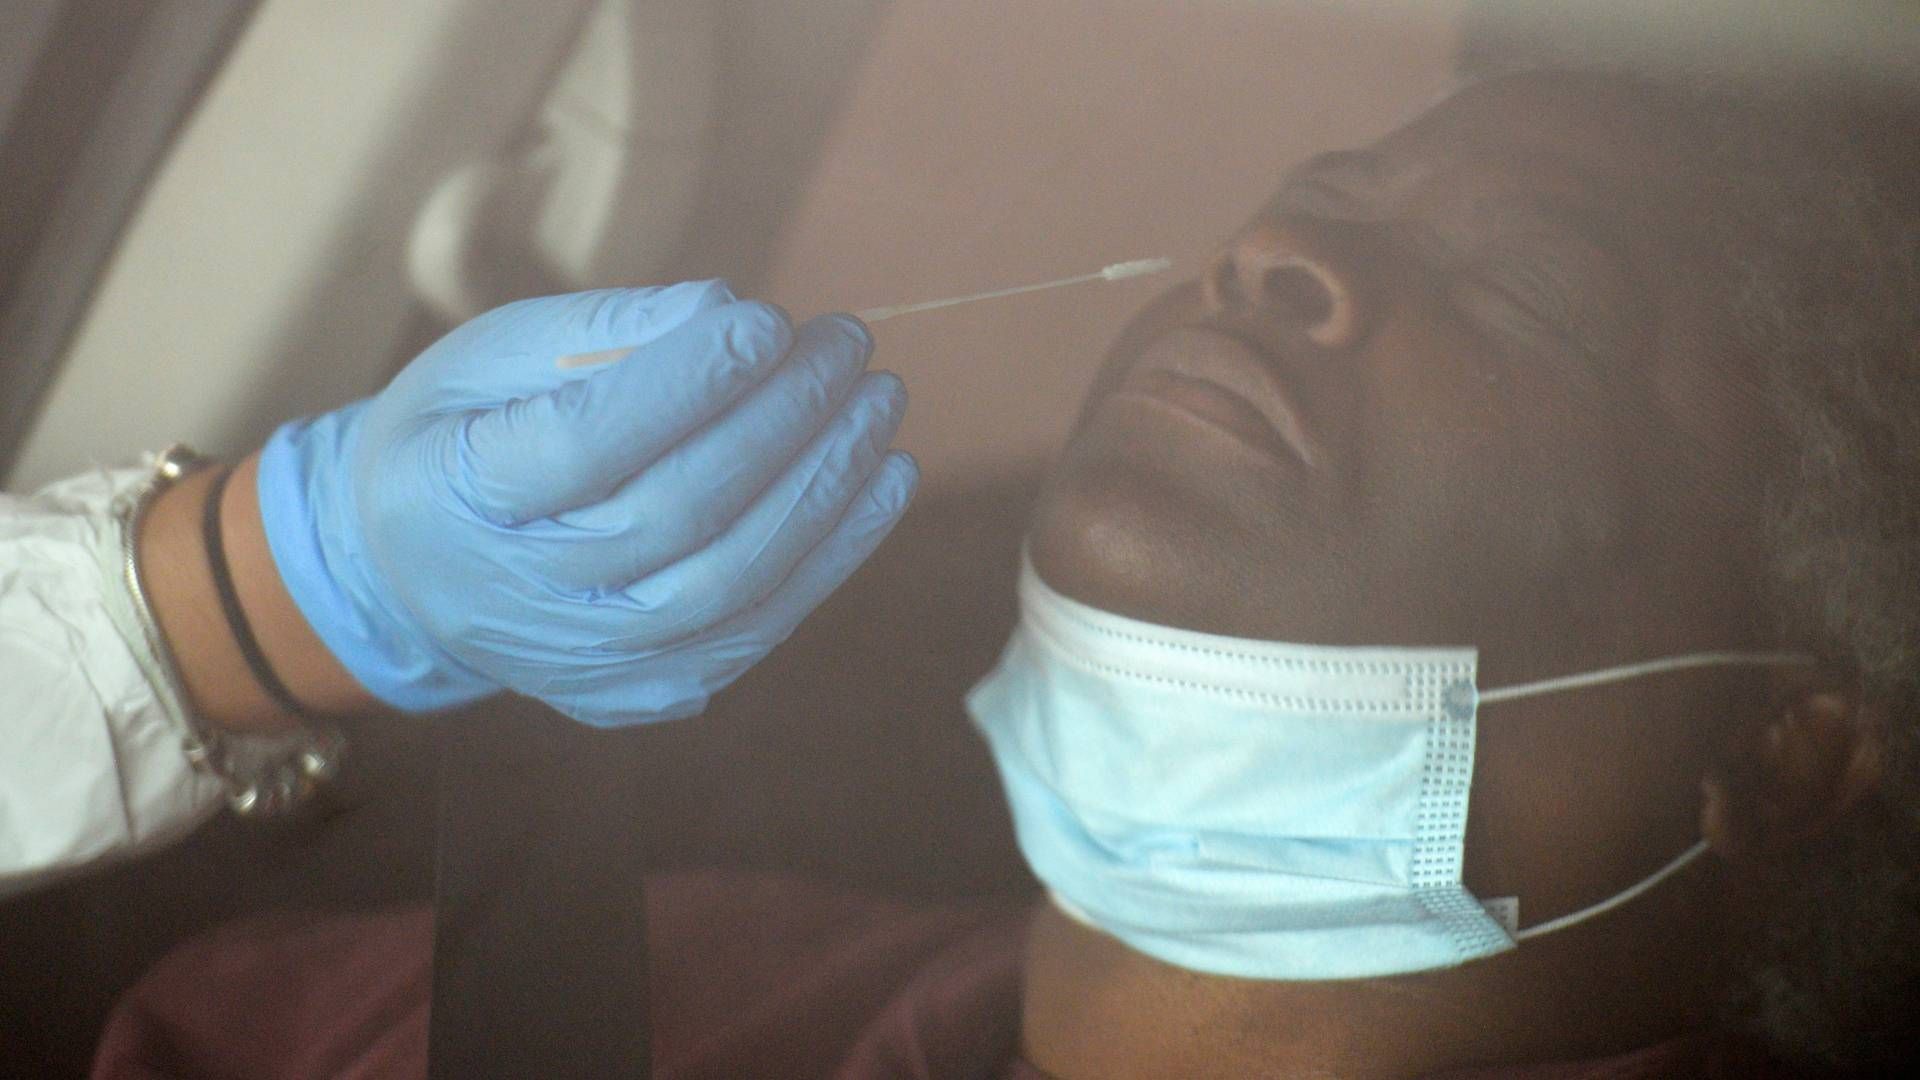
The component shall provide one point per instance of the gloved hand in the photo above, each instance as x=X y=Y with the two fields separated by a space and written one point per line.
x=618 y=541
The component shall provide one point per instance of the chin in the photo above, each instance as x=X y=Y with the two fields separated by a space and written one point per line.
x=1129 y=534
x=1127 y=540
x=1101 y=539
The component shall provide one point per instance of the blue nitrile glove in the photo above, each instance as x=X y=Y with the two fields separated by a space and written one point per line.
x=618 y=541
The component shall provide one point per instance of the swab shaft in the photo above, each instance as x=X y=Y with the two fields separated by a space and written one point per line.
x=1115 y=272
x=874 y=315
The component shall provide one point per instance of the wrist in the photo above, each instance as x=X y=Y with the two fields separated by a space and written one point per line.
x=304 y=663
x=220 y=687
x=310 y=535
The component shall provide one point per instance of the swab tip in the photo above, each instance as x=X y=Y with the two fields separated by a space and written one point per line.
x=1135 y=268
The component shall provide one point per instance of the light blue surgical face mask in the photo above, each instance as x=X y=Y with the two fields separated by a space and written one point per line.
x=1256 y=808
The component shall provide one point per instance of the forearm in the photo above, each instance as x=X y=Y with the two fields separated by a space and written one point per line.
x=95 y=725
x=220 y=687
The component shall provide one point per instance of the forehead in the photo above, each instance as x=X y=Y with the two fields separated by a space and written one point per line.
x=1553 y=128
x=1635 y=163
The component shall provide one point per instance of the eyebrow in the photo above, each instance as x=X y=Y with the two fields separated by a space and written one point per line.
x=1337 y=162
x=1536 y=215
x=1324 y=183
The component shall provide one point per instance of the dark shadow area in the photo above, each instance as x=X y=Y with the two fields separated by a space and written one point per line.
x=846 y=756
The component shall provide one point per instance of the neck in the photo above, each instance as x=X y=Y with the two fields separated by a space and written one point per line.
x=1094 y=1008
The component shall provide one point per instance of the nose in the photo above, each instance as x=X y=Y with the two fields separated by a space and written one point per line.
x=1291 y=270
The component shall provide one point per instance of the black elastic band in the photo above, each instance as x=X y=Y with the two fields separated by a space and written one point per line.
x=263 y=672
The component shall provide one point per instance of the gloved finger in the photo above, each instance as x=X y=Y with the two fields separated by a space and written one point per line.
x=758 y=552
x=695 y=490
x=512 y=351
x=676 y=681
x=574 y=444
x=547 y=327
x=869 y=518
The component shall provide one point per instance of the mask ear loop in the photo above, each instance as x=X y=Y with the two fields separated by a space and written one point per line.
x=1624 y=897
x=1620 y=674
x=1643 y=668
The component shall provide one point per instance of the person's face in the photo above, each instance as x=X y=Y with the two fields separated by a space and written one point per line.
x=1474 y=385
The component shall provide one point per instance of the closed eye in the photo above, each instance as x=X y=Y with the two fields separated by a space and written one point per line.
x=1529 y=274
x=1521 y=298
x=1531 y=299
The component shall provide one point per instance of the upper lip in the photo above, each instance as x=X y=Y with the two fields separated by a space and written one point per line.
x=1240 y=362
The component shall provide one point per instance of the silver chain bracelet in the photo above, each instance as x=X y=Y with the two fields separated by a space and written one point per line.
x=263 y=775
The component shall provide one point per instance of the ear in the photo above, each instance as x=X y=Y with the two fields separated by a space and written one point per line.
x=1787 y=781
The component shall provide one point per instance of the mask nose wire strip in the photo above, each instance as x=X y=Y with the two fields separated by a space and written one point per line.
x=1646 y=667
x=1698 y=849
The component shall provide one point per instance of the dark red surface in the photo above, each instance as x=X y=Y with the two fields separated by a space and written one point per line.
x=752 y=976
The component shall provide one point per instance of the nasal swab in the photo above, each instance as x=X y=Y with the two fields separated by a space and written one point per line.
x=1116 y=272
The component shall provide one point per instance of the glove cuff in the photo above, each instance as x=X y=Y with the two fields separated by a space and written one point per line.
x=313 y=533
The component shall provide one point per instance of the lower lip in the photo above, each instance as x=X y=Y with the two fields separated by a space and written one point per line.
x=1213 y=405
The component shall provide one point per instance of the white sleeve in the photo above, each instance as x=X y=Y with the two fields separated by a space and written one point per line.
x=91 y=734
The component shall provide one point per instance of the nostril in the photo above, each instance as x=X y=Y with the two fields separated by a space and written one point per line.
x=1297 y=293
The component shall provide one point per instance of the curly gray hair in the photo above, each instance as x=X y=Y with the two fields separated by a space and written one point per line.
x=1820 y=227
x=1829 y=298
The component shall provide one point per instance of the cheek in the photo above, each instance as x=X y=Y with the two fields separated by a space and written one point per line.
x=1716 y=455
x=1703 y=445
x=1529 y=517
x=1570 y=517
x=1499 y=466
